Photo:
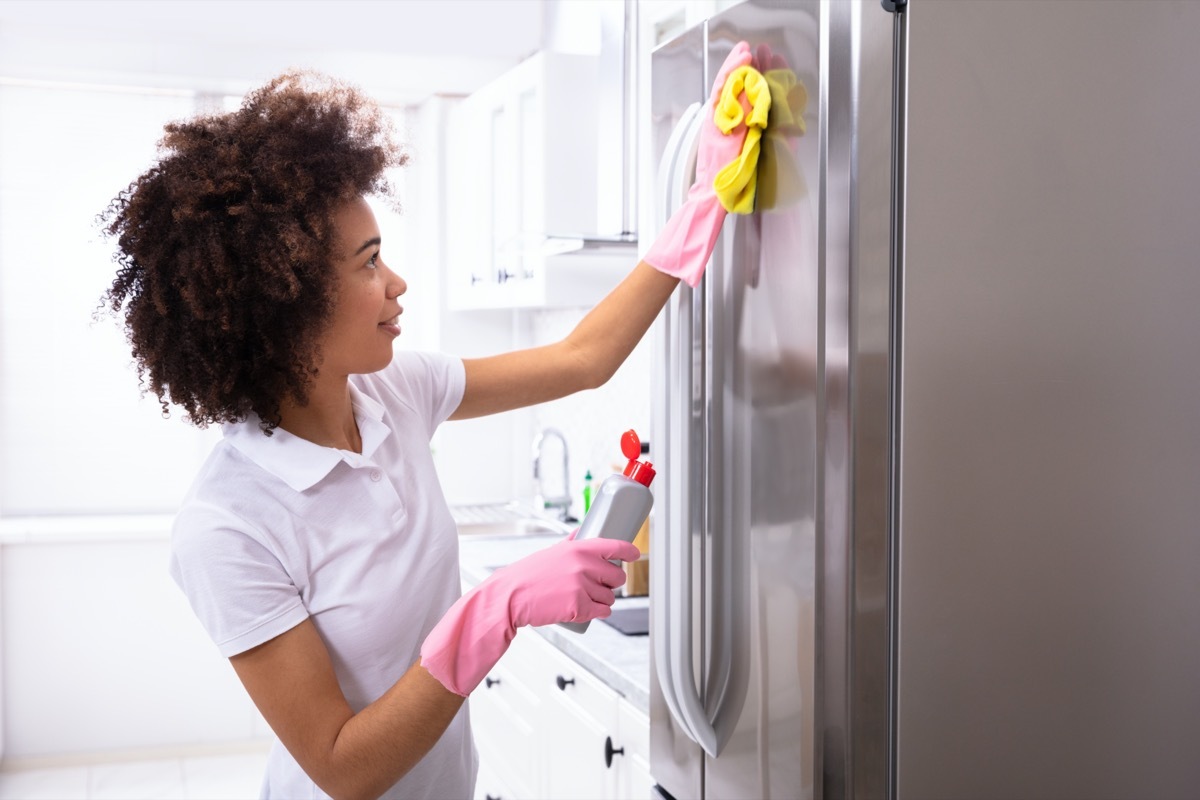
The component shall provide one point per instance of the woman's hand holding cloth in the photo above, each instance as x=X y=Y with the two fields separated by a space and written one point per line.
x=725 y=155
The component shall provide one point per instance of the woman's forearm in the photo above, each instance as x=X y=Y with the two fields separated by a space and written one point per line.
x=292 y=682
x=380 y=744
x=610 y=331
x=585 y=359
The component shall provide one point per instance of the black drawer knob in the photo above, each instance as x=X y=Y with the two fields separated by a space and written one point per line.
x=610 y=751
x=490 y=681
x=563 y=682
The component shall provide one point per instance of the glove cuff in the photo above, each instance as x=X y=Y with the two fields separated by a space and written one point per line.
x=683 y=247
x=469 y=639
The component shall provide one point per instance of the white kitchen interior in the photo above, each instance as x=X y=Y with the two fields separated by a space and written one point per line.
x=924 y=524
x=108 y=685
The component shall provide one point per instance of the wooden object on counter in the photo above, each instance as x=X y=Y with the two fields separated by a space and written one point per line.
x=637 y=573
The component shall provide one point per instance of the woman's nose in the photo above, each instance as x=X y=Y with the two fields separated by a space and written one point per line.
x=396 y=285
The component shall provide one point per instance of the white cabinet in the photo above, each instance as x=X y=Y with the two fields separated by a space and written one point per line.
x=547 y=728
x=521 y=166
x=663 y=20
x=634 y=780
x=581 y=713
x=506 y=715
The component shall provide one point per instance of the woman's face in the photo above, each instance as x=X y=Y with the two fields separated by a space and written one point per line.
x=366 y=313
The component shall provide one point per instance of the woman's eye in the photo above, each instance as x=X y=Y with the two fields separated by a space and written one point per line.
x=373 y=262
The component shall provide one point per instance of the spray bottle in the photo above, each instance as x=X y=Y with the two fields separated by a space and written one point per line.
x=621 y=505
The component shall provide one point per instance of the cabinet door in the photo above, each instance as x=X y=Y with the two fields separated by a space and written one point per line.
x=469 y=223
x=581 y=715
x=505 y=715
x=633 y=764
x=490 y=786
x=575 y=757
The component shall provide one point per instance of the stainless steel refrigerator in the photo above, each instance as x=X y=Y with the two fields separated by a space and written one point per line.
x=928 y=520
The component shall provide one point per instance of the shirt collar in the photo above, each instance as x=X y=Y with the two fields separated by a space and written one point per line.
x=298 y=462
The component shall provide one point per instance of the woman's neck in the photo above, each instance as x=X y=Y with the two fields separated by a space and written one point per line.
x=326 y=419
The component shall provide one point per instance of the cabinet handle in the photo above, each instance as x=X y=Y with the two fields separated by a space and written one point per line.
x=610 y=751
x=489 y=797
x=475 y=279
x=489 y=681
x=563 y=682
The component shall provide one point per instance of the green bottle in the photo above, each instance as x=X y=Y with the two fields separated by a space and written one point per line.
x=587 y=491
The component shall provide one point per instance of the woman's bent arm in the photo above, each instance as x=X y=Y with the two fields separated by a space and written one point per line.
x=585 y=359
x=291 y=680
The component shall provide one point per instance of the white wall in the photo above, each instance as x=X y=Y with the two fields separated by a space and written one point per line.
x=101 y=652
x=77 y=436
x=592 y=421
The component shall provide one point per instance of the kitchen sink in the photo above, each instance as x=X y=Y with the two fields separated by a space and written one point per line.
x=496 y=520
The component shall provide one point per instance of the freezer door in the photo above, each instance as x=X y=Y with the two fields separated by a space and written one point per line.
x=1049 y=596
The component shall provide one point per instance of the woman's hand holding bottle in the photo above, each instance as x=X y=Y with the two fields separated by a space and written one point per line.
x=571 y=581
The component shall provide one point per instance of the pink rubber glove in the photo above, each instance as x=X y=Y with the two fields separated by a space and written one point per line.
x=687 y=240
x=567 y=582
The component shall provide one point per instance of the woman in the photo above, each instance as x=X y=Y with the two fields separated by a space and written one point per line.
x=315 y=544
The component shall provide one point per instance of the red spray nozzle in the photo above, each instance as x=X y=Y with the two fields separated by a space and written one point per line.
x=631 y=447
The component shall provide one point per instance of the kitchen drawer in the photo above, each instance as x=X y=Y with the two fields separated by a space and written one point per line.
x=491 y=786
x=565 y=680
x=548 y=729
x=524 y=654
x=505 y=715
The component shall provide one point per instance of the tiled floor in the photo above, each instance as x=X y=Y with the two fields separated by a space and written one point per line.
x=223 y=777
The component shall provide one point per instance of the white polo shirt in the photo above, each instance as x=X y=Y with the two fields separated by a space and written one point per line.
x=276 y=530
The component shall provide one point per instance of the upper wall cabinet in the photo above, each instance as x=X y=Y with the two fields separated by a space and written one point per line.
x=522 y=197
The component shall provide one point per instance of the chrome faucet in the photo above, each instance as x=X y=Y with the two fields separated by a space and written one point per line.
x=561 y=502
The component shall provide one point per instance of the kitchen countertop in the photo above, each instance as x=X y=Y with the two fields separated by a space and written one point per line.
x=622 y=662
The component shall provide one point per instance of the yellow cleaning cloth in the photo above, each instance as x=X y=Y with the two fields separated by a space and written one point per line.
x=789 y=99
x=780 y=179
x=735 y=183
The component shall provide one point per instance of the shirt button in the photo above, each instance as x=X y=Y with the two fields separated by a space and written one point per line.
x=376 y=475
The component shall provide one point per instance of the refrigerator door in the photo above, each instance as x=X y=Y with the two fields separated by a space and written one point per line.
x=733 y=602
x=1049 y=597
x=761 y=302
x=677 y=92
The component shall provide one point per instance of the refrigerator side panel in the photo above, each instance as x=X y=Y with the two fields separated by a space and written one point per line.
x=1049 y=644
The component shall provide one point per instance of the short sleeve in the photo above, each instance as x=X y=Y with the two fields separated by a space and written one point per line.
x=432 y=384
x=240 y=592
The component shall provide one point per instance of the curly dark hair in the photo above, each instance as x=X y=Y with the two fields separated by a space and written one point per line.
x=225 y=245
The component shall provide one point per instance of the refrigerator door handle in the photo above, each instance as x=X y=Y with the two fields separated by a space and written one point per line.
x=667 y=168
x=673 y=569
x=663 y=639
x=720 y=678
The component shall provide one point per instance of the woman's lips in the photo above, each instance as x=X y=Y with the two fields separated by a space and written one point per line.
x=391 y=326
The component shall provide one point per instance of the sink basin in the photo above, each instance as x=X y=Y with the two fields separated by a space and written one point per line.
x=497 y=520
x=520 y=528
